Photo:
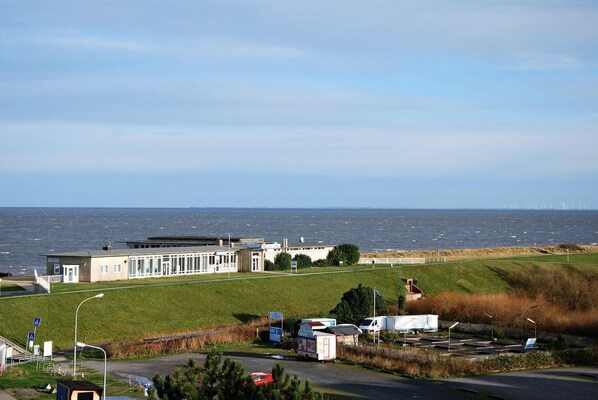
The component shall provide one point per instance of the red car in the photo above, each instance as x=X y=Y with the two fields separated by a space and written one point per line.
x=261 y=378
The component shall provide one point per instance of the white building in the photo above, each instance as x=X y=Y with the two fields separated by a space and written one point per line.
x=316 y=251
x=120 y=264
x=161 y=260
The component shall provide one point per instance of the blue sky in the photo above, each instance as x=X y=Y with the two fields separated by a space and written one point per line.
x=401 y=104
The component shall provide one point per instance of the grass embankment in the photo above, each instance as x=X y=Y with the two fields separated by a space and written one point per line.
x=175 y=307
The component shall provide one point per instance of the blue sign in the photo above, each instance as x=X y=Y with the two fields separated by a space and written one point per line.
x=530 y=344
x=275 y=334
x=37 y=322
x=30 y=336
x=275 y=315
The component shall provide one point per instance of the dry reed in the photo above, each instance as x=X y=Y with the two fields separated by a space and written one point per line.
x=188 y=341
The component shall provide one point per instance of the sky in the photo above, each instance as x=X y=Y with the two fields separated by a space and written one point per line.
x=380 y=103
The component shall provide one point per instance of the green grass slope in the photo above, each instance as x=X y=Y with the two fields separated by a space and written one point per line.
x=151 y=310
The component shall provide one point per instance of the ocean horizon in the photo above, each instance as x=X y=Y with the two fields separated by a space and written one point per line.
x=28 y=233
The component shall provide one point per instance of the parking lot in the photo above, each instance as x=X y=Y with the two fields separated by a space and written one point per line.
x=471 y=347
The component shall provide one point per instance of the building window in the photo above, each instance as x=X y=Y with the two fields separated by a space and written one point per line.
x=118 y=268
x=104 y=269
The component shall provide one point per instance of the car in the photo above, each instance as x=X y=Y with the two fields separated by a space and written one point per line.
x=261 y=378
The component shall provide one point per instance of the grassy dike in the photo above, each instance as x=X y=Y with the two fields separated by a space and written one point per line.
x=135 y=310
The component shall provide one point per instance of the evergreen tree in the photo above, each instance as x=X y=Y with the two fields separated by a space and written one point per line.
x=227 y=381
x=358 y=304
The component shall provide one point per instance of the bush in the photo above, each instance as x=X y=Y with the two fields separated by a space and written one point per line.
x=321 y=263
x=269 y=266
x=303 y=260
x=347 y=254
x=282 y=261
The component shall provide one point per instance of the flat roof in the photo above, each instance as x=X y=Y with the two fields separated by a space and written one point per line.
x=142 y=252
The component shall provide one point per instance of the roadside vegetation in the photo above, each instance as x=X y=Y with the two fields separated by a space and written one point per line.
x=427 y=364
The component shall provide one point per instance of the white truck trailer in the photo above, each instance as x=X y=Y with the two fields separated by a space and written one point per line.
x=400 y=323
x=412 y=323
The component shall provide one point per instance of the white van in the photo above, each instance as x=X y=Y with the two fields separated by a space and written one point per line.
x=373 y=324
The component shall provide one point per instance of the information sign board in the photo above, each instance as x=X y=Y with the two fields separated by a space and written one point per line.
x=275 y=315
x=275 y=334
x=530 y=344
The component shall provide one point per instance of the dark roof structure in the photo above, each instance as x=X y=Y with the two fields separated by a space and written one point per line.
x=344 y=330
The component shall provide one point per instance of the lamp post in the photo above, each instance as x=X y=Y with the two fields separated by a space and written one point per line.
x=97 y=296
x=491 y=325
x=451 y=327
x=0 y=287
x=80 y=344
x=535 y=325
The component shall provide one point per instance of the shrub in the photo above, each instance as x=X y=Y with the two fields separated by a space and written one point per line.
x=348 y=254
x=282 y=261
x=303 y=260
x=269 y=266
x=321 y=263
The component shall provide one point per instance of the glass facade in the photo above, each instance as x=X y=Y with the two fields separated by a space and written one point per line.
x=146 y=266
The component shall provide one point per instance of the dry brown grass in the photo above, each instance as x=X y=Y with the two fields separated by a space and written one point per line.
x=509 y=310
x=486 y=252
x=222 y=335
x=559 y=299
x=415 y=362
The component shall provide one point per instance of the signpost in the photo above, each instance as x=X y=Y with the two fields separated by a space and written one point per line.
x=37 y=321
x=275 y=331
x=294 y=266
x=30 y=338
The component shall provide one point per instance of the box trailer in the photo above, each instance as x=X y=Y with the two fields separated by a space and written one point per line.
x=412 y=323
x=320 y=346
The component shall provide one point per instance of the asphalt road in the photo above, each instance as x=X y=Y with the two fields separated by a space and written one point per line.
x=557 y=384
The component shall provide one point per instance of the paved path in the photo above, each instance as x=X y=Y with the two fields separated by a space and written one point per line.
x=552 y=384
x=5 y=396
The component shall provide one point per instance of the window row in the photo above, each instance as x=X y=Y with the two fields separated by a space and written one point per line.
x=181 y=264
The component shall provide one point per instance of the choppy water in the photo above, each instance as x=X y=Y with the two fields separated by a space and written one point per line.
x=28 y=233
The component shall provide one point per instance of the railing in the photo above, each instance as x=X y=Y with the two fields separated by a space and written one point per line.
x=44 y=283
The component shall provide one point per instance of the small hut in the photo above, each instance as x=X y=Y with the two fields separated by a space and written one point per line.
x=78 y=390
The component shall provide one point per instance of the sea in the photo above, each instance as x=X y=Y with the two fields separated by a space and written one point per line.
x=28 y=234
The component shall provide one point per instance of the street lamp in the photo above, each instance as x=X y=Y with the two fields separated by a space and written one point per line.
x=451 y=327
x=535 y=326
x=491 y=325
x=97 y=296
x=80 y=344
